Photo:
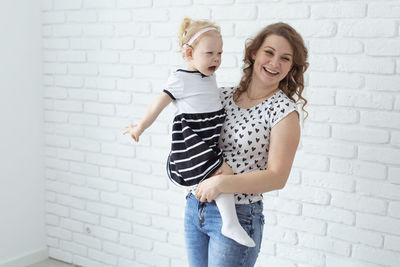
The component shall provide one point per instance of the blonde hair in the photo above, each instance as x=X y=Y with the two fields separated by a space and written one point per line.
x=189 y=28
x=293 y=83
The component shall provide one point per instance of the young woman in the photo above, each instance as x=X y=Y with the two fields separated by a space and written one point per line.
x=195 y=154
x=259 y=138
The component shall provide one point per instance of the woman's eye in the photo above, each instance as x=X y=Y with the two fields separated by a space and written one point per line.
x=269 y=52
x=286 y=58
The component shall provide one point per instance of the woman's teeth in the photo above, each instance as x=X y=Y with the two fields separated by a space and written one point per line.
x=270 y=71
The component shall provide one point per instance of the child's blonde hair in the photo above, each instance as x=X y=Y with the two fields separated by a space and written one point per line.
x=189 y=28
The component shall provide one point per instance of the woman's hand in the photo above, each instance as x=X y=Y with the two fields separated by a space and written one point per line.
x=208 y=189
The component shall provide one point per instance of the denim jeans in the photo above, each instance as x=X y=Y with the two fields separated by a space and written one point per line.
x=207 y=247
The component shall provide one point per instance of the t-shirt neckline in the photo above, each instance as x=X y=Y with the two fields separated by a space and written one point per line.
x=193 y=71
x=259 y=104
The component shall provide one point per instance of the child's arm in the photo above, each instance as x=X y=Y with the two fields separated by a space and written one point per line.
x=150 y=115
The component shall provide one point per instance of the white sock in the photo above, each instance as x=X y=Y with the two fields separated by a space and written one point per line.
x=230 y=223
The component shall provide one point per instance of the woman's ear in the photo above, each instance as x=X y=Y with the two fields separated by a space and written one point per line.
x=253 y=57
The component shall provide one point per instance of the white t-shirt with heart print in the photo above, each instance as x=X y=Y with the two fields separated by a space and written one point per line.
x=245 y=134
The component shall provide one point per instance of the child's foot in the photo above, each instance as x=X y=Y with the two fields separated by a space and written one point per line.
x=237 y=233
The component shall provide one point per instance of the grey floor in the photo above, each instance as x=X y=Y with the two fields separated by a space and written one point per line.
x=51 y=263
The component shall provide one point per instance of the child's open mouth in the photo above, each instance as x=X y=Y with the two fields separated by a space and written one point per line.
x=212 y=69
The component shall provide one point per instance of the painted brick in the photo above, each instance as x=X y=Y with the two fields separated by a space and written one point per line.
x=300 y=255
x=389 y=10
x=84 y=261
x=283 y=11
x=367 y=28
x=362 y=64
x=359 y=168
x=325 y=244
x=355 y=235
x=377 y=256
x=59 y=233
x=382 y=82
x=85 y=43
x=72 y=202
x=103 y=257
x=384 y=155
x=114 y=16
x=134 y=216
x=132 y=29
x=73 y=248
x=358 y=203
x=133 y=4
x=101 y=184
x=380 y=223
x=378 y=189
x=328 y=180
x=329 y=213
x=360 y=134
x=101 y=209
x=144 y=256
x=104 y=233
x=82 y=16
x=84 y=168
x=84 y=216
x=336 y=80
x=364 y=100
x=392 y=243
x=87 y=240
x=394 y=209
x=71 y=225
x=116 y=174
x=302 y=223
x=115 y=249
x=60 y=254
x=73 y=4
x=346 y=10
x=333 y=261
x=394 y=175
x=116 y=199
x=150 y=15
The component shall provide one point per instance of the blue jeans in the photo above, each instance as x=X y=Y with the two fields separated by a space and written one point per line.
x=207 y=247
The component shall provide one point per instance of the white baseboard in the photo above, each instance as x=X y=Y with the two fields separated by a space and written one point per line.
x=27 y=259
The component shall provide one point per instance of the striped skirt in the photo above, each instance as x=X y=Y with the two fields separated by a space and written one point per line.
x=194 y=154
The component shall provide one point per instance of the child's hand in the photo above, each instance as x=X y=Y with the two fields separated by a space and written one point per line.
x=134 y=131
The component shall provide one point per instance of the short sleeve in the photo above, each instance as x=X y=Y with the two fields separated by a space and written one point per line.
x=282 y=107
x=175 y=86
x=225 y=94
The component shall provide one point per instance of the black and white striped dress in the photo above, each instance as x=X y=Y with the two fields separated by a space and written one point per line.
x=196 y=128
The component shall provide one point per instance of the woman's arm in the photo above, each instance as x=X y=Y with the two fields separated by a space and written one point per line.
x=284 y=139
x=150 y=115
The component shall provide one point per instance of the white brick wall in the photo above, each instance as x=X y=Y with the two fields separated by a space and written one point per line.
x=109 y=202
